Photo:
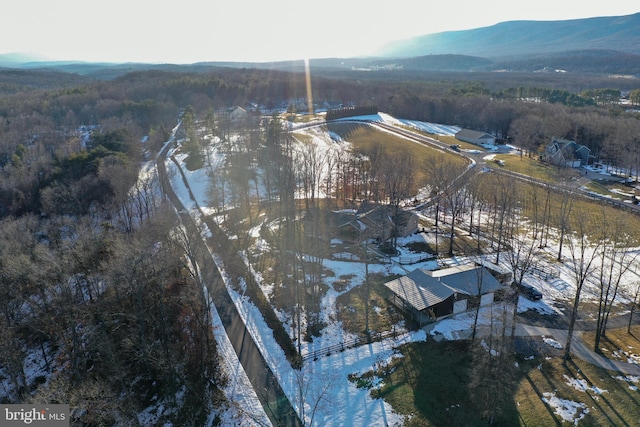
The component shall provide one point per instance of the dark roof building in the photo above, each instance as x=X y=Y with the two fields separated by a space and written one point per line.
x=431 y=294
x=375 y=221
x=563 y=152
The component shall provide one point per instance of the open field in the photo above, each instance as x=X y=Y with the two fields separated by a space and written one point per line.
x=363 y=137
x=618 y=344
x=535 y=168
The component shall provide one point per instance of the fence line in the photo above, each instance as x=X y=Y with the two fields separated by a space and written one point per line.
x=352 y=343
x=414 y=259
x=544 y=272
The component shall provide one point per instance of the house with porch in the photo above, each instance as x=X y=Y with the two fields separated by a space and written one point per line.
x=566 y=153
x=377 y=222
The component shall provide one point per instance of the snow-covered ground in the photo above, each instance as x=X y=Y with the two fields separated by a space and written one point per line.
x=321 y=392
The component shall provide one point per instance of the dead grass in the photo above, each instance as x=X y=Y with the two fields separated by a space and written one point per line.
x=351 y=307
x=609 y=400
x=611 y=189
x=430 y=384
x=363 y=137
x=532 y=167
x=618 y=344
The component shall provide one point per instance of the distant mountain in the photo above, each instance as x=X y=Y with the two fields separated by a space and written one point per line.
x=593 y=61
x=603 y=45
x=16 y=58
x=524 y=38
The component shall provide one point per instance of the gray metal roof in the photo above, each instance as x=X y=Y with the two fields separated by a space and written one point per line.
x=423 y=288
x=473 y=134
x=469 y=281
x=419 y=296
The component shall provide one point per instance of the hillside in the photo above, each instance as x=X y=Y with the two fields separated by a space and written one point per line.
x=519 y=38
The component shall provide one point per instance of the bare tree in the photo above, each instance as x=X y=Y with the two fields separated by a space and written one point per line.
x=493 y=372
x=397 y=185
x=310 y=162
x=504 y=203
x=522 y=241
x=455 y=198
x=564 y=213
x=634 y=305
x=583 y=254
x=442 y=178
x=615 y=262
x=313 y=394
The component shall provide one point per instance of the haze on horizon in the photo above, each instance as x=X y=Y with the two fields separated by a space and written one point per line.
x=191 y=31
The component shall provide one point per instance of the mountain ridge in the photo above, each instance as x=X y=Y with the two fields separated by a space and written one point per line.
x=599 y=45
x=520 y=38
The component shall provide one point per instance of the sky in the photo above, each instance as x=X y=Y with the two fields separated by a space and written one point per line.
x=187 y=31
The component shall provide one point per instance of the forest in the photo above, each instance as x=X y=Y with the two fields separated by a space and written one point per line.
x=93 y=274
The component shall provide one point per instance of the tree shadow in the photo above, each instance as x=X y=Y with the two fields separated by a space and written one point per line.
x=574 y=371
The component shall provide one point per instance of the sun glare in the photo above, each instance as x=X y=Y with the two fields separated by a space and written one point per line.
x=307 y=72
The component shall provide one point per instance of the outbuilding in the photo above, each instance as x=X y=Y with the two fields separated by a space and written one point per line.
x=475 y=137
x=428 y=295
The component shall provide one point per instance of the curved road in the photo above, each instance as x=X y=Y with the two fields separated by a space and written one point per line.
x=275 y=403
x=477 y=159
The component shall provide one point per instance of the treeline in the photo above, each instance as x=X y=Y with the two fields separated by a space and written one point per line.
x=351 y=112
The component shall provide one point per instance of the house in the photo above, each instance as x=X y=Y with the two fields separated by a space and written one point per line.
x=375 y=221
x=238 y=114
x=475 y=137
x=428 y=295
x=566 y=153
x=331 y=105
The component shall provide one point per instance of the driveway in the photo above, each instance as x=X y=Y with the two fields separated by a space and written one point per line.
x=578 y=347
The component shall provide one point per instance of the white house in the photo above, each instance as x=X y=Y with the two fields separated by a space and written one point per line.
x=475 y=137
